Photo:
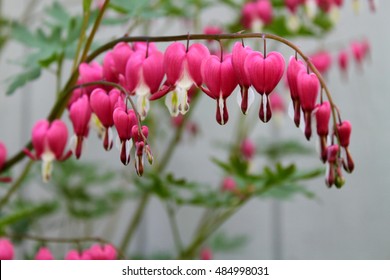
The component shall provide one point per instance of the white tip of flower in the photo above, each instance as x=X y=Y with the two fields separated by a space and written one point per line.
x=73 y=144
x=334 y=15
x=47 y=166
x=97 y=125
x=293 y=23
x=118 y=143
x=184 y=105
x=143 y=106
x=221 y=106
x=172 y=103
x=264 y=101
x=356 y=6
x=311 y=8
x=257 y=26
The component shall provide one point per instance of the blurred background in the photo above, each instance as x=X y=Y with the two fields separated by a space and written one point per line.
x=348 y=223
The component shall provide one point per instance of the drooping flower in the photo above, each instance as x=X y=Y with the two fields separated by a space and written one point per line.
x=343 y=61
x=265 y=74
x=102 y=252
x=255 y=15
x=344 y=130
x=322 y=61
x=322 y=114
x=332 y=162
x=49 y=142
x=183 y=70
x=80 y=115
x=293 y=21
x=246 y=96
x=6 y=249
x=124 y=121
x=103 y=105
x=144 y=74
x=212 y=30
x=76 y=255
x=44 y=254
x=308 y=87
x=295 y=66
x=141 y=147
x=114 y=63
x=277 y=103
x=90 y=72
x=220 y=79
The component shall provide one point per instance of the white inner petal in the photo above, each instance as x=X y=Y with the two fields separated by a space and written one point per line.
x=185 y=81
x=334 y=14
x=239 y=98
x=221 y=106
x=251 y=98
x=311 y=8
x=47 y=165
x=73 y=143
x=293 y=22
x=290 y=111
x=264 y=100
x=172 y=103
x=257 y=25
x=143 y=105
x=183 y=100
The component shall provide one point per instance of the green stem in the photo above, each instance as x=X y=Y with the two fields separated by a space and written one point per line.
x=17 y=184
x=59 y=74
x=174 y=228
x=94 y=30
x=84 y=27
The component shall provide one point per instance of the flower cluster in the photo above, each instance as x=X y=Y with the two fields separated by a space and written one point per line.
x=95 y=252
x=256 y=15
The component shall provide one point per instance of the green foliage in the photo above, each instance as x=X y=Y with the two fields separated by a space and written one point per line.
x=221 y=242
x=284 y=148
x=87 y=190
x=50 y=43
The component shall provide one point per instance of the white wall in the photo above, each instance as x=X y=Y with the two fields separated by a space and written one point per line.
x=351 y=223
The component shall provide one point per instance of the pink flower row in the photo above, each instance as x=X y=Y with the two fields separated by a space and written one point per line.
x=95 y=252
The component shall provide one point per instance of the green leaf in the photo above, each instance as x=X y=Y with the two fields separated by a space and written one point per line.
x=23 y=78
x=224 y=243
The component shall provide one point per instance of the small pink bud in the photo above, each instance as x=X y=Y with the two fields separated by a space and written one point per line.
x=277 y=103
x=206 y=254
x=6 y=249
x=322 y=61
x=343 y=60
x=3 y=155
x=357 y=51
x=228 y=184
x=212 y=30
x=248 y=149
x=102 y=252
x=76 y=255
x=332 y=152
x=44 y=254
x=124 y=121
x=344 y=132
x=322 y=118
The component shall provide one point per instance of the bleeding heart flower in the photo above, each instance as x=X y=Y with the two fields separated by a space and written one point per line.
x=103 y=105
x=80 y=115
x=76 y=255
x=124 y=121
x=141 y=148
x=6 y=249
x=265 y=74
x=3 y=158
x=246 y=96
x=44 y=254
x=220 y=79
x=308 y=87
x=332 y=159
x=293 y=5
x=295 y=66
x=183 y=69
x=49 y=142
x=257 y=14
x=114 y=63
x=322 y=114
x=89 y=73
x=102 y=252
x=144 y=74
x=322 y=61
x=344 y=130
x=212 y=30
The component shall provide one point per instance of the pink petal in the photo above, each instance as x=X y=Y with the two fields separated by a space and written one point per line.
x=174 y=58
x=6 y=249
x=228 y=77
x=211 y=73
x=3 y=155
x=239 y=55
x=273 y=70
x=124 y=121
x=80 y=115
x=133 y=71
x=308 y=87
x=103 y=105
x=153 y=70
x=196 y=54
x=39 y=136
x=293 y=69
x=44 y=254
x=57 y=137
